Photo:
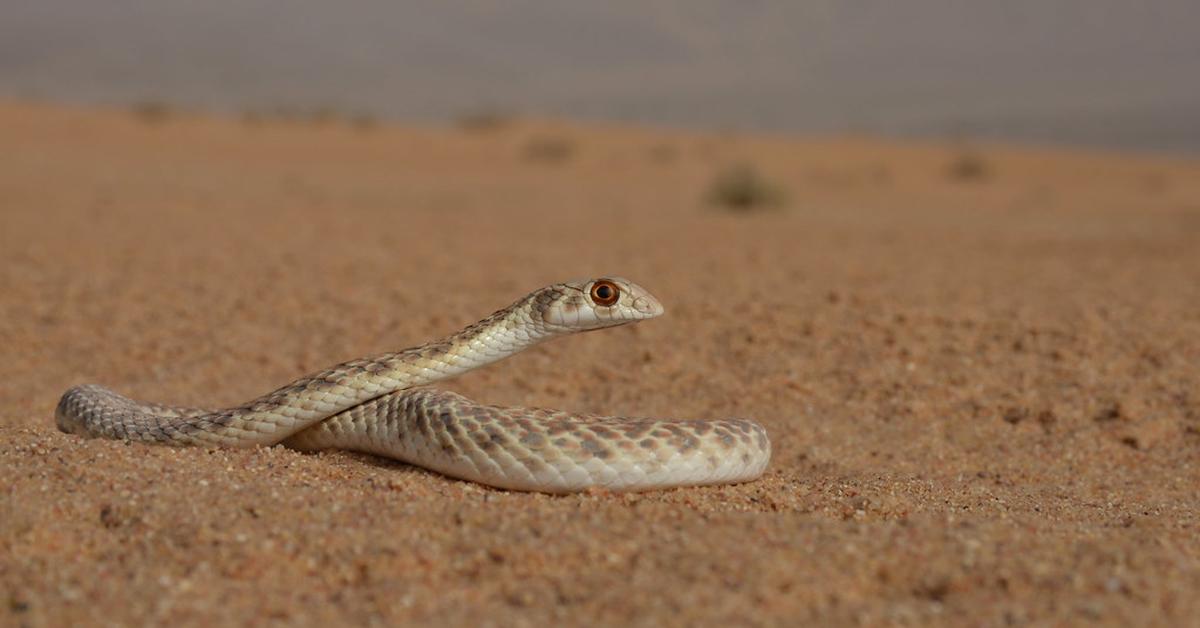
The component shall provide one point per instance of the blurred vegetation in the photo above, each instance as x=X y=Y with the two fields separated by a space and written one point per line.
x=319 y=116
x=485 y=120
x=363 y=121
x=968 y=166
x=153 y=111
x=550 y=150
x=741 y=188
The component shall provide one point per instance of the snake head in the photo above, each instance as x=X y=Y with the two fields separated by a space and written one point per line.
x=597 y=303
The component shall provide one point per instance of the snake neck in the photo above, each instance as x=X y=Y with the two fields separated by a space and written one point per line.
x=504 y=333
x=297 y=406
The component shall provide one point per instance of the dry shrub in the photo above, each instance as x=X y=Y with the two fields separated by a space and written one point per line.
x=485 y=120
x=152 y=111
x=252 y=117
x=364 y=122
x=968 y=166
x=742 y=188
x=550 y=150
x=320 y=116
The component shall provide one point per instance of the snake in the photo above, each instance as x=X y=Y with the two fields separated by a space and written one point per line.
x=381 y=405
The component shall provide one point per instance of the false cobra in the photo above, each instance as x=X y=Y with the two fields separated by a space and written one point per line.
x=373 y=405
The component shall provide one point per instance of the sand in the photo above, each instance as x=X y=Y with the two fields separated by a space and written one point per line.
x=978 y=368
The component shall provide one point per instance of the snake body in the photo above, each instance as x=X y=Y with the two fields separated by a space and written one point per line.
x=373 y=405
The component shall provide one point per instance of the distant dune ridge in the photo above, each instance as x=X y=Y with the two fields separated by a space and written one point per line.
x=1105 y=72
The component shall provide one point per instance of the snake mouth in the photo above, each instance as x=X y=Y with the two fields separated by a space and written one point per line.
x=620 y=324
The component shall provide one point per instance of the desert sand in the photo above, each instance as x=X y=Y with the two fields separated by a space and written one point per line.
x=978 y=366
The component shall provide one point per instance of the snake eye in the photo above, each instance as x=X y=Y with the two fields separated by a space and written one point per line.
x=605 y=292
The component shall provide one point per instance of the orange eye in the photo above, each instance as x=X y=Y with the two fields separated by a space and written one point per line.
x=605 y=292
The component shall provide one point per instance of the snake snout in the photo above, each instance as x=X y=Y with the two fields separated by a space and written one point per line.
x=636 y=303
x=648 y=306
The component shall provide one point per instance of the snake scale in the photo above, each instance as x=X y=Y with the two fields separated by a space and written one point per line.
x=374 y=405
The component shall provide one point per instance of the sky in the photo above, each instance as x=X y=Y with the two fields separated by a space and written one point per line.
x=1106 y=72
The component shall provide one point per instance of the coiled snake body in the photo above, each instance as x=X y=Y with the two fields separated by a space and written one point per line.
x=373 y=405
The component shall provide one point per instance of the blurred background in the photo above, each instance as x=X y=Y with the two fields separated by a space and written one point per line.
x=1092 y=72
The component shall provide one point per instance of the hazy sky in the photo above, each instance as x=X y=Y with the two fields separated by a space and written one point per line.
x=1120 y=72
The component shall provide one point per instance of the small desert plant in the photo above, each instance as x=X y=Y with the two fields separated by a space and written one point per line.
x=321 y=116
x=152 y=111
x=484 y=120
x=548 y=149
x=968 y=165
x=252 y=117
x=364 y=122
x=741 y=188
x=281 y=113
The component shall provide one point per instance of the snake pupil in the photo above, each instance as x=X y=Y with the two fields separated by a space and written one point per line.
x=605 y=293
